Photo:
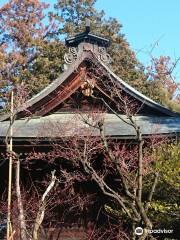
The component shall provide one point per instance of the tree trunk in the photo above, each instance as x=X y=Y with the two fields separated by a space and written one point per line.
x=40 y=215
x=23 y=232
x=9 y=147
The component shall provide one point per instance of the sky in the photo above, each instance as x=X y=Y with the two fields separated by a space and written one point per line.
x=147 y=25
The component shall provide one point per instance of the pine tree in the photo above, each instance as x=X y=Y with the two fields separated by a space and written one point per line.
x=31 y=52
x=72 y=15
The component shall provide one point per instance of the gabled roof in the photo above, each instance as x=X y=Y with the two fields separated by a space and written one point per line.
x=125 y=86
x=54 y=91
x=138 y=95
x=167 y=122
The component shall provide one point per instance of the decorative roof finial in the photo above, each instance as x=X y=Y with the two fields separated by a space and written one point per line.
x=85 y=42
x=87 y=37
x=87 y=25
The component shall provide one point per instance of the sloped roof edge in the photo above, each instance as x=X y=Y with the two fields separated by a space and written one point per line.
x=48 y=89
x=72 y=68
x=60 y=124
x=139 y=95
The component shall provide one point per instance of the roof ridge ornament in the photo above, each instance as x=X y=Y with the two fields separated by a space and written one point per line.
x=88 y=25
x=87 y=37
x=71 y=56
x=86 y=42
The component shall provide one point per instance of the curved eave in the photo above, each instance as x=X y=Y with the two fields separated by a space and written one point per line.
x=73 y=70
x=137 y=95
x=51 y=87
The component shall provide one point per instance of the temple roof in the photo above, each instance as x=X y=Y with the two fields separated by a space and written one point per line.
x=39 y=100
x=89 y=50
x=88 y=37
x=60 y=125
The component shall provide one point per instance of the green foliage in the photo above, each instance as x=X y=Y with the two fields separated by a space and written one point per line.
x=32 y=51
x=165 y=208
x=47 y=67
x=72 y=15
x=112 y=211
x=165 y=216
x=168 y=164
x=162 y=207
x=116 y=213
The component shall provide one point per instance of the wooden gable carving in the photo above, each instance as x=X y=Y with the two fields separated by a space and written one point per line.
x=86 y=76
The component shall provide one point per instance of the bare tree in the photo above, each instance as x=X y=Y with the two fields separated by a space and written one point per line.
x=79 y=143
x=128 y=163
x=14 y=159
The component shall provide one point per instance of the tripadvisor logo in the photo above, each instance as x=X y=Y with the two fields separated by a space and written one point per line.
x=138 y=231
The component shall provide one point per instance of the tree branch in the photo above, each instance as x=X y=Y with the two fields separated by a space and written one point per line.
x=152 y=191
x=41 y=211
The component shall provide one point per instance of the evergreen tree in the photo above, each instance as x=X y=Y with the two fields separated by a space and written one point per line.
x=72 y=15
x=157 y=84
x=31 y=52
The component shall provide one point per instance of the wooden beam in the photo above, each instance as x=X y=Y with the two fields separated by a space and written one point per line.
x=62 y=95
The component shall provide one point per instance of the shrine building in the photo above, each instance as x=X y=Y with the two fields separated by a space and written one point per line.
x=86 y=86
